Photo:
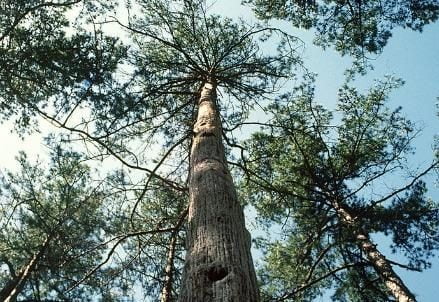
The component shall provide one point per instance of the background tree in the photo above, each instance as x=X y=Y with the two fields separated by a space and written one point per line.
x=60 y=227
x=332 y=187
x=51 y=222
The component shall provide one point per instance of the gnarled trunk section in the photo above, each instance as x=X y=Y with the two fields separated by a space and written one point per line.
x=218 y=263
x=379 y=262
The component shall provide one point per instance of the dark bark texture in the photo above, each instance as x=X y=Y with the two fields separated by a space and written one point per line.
x=218 y=263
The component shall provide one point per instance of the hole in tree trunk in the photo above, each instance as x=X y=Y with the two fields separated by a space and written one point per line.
x=216 y=273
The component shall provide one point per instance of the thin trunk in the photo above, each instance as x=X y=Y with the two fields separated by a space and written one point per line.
x=10 y=292
x=218 y=263
x=395 y=285
x=383 y=268
x=166 y=295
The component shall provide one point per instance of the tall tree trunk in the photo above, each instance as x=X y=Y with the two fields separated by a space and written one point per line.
x=218 y=263
x=381 y=265
x=10 y=292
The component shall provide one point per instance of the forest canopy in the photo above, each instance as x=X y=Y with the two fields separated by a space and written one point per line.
x=190 y=156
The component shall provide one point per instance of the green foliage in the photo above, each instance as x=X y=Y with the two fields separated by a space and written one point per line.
x=178 y=45
x=41 y=59
x=290 y=265
x=183 y=43
x=308 y=162
x=58 y=211
x=357 y=28
x=163 y=211
x=94 y=248
x=125 y=99
x=360 y=286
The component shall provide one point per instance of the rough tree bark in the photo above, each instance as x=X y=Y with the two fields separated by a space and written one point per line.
x=218 y=264
x=379 y=262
